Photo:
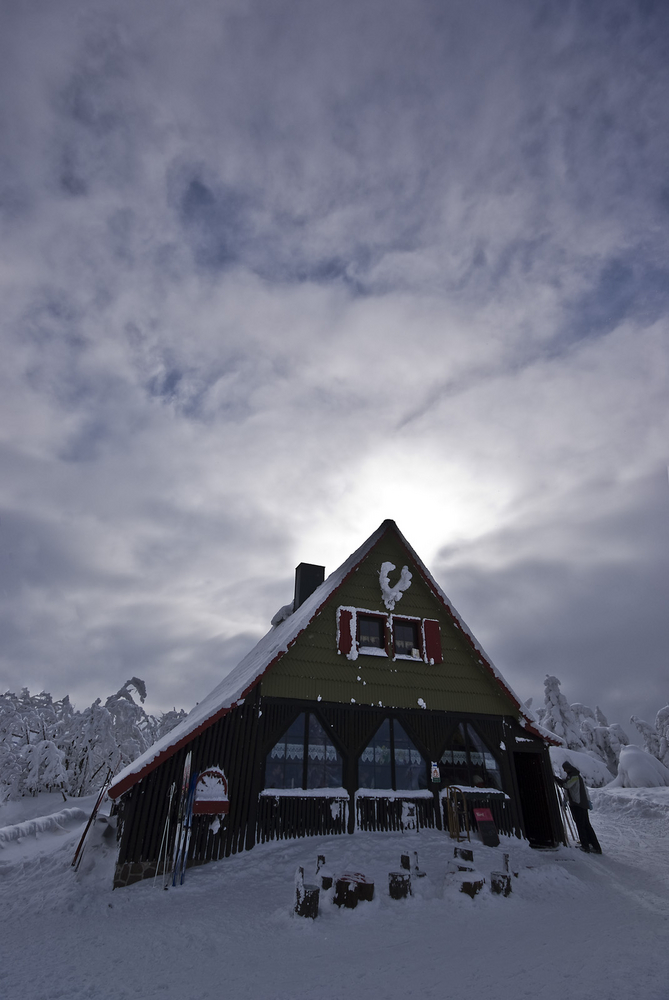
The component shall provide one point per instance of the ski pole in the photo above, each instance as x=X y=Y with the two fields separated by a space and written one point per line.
x=79 y=853
x=165 y=839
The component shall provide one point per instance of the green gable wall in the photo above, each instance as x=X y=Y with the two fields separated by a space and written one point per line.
x=314 y=669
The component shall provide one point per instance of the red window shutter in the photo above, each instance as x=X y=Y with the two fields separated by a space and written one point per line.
x=344 y=630
x=432 y=633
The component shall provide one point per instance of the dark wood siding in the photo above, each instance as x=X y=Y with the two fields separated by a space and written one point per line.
x=239 y=743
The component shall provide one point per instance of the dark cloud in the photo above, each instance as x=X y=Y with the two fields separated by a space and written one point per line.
x=582 y=599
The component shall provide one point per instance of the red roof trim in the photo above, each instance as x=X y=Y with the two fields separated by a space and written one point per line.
x=482 y=658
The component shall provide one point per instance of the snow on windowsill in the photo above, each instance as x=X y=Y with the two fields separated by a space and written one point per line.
x=305 y=793
x=371 y=651
x=388 y=793
x=403 y=656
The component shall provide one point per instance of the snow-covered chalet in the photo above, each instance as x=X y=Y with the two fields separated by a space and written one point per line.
x=367 y=700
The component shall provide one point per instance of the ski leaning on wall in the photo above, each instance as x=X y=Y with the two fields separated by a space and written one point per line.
x=184 y=823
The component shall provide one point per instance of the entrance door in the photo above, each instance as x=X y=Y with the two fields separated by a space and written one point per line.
x=533 y=799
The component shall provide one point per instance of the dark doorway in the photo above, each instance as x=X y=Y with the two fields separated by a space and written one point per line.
x=533 y=800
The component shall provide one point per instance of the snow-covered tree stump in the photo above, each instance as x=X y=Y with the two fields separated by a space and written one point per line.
x=471 y=885
x=500 y=883
x=346 y=894
x=399 y=885
x=366 y=891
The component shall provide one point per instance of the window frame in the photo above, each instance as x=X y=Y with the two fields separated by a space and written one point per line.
x=469 y=749
x=325 y=726
x=417 y=625
x=348 y=635
x=372 y=616
x=392 y=720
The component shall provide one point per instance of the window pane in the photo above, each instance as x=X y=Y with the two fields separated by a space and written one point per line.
x=484 y=767
x=405 y=635
x=284 y=766
x=453 y=763
x=374 y=761
x=324 y=765
x=371 y=632
x=410 y=768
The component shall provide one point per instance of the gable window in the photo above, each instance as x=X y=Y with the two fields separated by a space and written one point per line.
x=405 y=638
x=391 y=761
x=304 y=757
x=371 y=632
x=467 y=761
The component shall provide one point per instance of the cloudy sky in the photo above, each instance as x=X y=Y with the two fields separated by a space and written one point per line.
x=275 y=270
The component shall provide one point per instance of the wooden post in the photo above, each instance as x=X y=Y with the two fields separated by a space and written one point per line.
x=306 y=896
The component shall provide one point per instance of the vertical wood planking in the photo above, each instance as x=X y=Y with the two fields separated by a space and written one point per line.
x=239 y=742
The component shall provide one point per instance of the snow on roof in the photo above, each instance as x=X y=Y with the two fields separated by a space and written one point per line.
x=236 y=685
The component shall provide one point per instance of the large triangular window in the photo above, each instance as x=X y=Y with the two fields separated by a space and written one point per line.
x=304 y=757
x=391 y=761
x=468 y=761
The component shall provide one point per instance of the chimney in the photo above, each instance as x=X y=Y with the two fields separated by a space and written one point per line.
x=307 y=578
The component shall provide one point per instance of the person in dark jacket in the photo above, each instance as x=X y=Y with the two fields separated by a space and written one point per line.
x=579 y=803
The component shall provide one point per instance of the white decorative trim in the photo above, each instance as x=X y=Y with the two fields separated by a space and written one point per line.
x=389 y=793
x=304 y=793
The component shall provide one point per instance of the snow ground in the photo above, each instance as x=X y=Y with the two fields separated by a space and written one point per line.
x=576 y=926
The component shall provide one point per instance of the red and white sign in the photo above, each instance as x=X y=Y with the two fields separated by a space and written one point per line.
x=483 y=816
x=211 y=793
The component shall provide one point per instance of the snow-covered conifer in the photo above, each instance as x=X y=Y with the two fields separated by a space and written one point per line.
x=599 y=739
x=601 y=718
x=655 y=738
x=558 y=717
x=582 y=712
x=604 y=742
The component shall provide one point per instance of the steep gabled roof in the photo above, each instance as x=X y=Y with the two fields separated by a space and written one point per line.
x=243 y=678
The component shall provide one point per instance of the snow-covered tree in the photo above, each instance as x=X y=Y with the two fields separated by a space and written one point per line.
x=94 y=750
x=582 y=712
x=655 y=738
x=133 y=730
x=44 y=769
x=11 y=773
x=46 y=744
x=605 y=742
x=600 y=717
x=581 y=728
x=599 y=738
x=166 y=722
x=558 y=716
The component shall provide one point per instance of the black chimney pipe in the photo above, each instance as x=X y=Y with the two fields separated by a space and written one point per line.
x=307 y=578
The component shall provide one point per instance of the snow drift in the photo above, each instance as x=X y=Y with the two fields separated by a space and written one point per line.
x=638 y=769
x=42 y=824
